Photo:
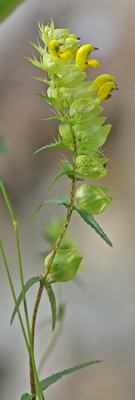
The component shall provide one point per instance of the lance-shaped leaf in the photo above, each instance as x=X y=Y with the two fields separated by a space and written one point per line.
x=26 y=396
x=27 y=285
x=51 y=100
x=54 y=378
x=56 y=201
x=89 y=219
x=59 y=143
x=52 y=302
x=69 y=172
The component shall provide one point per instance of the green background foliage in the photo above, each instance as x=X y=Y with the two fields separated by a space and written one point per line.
x=7 y=7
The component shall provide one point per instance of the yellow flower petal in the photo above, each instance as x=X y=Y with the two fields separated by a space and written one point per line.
x=65 y=54
x=100 y=80
x=92 y=63
x=82 y=54
x=54 y=48
x=104 y=91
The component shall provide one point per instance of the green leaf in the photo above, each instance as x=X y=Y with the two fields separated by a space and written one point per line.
x=54 y=378
x=56 y=200
x=26 y=396
x=27 y=285
x=66 y=171
x=52 y=301
x=89 y=219
x=51 y=100
x=60 y=144
x=7 y=6
x=55 y=115
x=3 y=147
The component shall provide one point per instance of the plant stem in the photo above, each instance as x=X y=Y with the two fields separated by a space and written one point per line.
x=38 y=388
x=63 y=230
x=32 y=380
x=40 y=291
x=36 y=380
x=14 y=296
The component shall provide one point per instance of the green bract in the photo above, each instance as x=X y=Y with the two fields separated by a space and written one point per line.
x=91 y=198
x=65 y=132
x=64 y=266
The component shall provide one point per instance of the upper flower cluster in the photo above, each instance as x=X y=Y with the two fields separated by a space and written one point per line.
x=77 y=104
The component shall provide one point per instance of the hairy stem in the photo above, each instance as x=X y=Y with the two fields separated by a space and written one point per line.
x=40 y=290
x=32 y=378
x=63 y=230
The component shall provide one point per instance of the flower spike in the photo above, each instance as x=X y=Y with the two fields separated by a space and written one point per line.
x=77 y=104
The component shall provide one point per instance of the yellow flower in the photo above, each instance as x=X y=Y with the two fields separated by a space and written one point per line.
x=82 y=55
x=54 y=49
x=104 y=91
x=103 y=85
x=100 y=80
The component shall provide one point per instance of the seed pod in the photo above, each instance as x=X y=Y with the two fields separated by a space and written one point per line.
x=91 y=198
x=64 y=266
x=90 y=167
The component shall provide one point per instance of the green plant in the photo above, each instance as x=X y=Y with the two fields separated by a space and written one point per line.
x=76 y=105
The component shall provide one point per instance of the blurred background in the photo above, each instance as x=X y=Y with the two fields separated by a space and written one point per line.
x=100 y=317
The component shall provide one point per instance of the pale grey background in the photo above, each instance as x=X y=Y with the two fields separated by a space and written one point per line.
x=100 y=320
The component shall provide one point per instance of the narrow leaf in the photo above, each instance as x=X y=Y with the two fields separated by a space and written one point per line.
x=26 y=396
x=50 y=100
x=53 y=303
x=57 y=201
x=27 y=285
x=60 y=144
x=54 y=378
x=66 y=171
x=89 y=219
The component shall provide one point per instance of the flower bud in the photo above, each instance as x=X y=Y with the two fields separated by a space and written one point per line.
x=65 y=132
x=91 y=198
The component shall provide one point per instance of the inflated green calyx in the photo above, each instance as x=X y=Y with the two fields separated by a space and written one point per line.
x=64 y=266
x=92 y=199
